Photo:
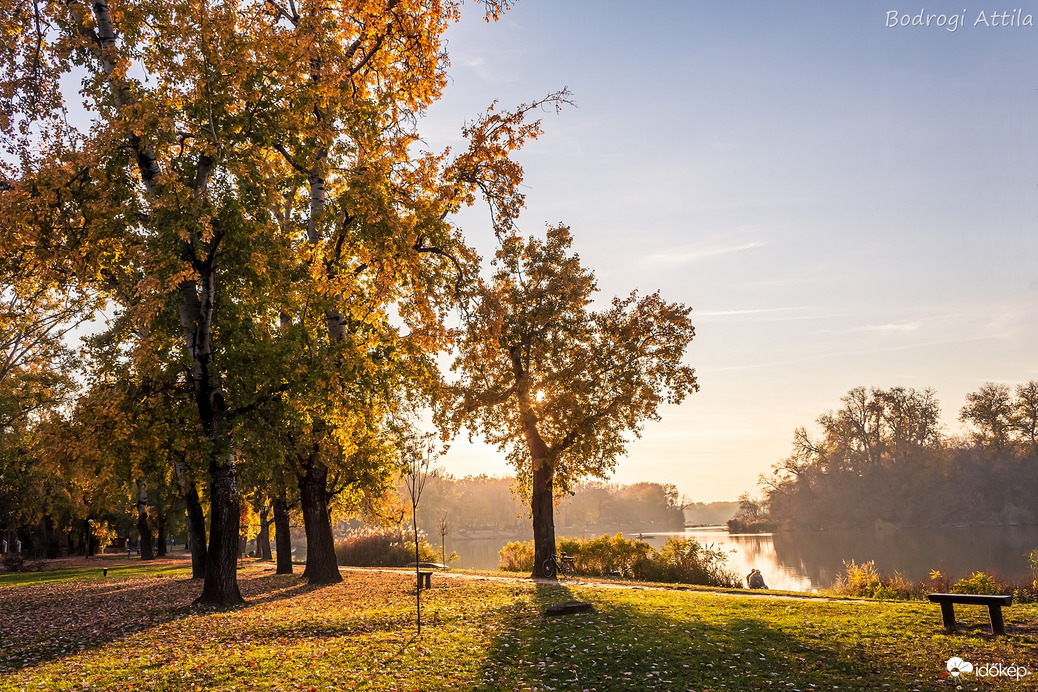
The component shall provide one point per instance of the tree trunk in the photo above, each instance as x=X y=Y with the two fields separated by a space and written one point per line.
x=282 y=535
x=543 y=477
x=417 y=568
x=543 y=510
x=196 y=529
x=263 y=539
x=160 y=539
x=221 y=565
x=142 y=522
x=195 y=520
x=51 y=544
x=321 y=565
x=160 y=523
x=541 y=499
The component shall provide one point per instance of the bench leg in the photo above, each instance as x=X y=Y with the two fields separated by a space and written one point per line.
x=948 y=616
x=998 y=626
x=425 y=581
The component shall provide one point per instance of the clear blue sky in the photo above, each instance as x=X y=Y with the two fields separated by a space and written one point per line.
x=841 y=203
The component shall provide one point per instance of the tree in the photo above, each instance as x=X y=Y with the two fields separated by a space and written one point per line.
x=36 y=378
x=443 y=527
x=557 y=385
x=263 y=551
x=1025 y=415
x=282 y=528
x=417 y=454
x=912 y=474
x=912 y=422
x=750 y=507
x=244 y=162
x=989 y=411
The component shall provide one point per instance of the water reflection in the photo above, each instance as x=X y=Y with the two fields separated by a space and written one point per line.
x=746 y=552
x=812 y=560
x=956 y=552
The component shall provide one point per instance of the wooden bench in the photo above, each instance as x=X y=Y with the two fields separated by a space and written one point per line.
x=426 y=578
x=994 y=604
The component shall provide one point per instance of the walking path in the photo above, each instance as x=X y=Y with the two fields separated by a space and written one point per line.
x=602 y=584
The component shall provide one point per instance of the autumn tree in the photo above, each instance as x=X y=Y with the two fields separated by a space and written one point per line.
x=1002 y=419
x=242 y=165
x=1025 y=416
x=560 y=386
x=37 y=311
x=882 y=456
x=416 y=454
x=989 y=412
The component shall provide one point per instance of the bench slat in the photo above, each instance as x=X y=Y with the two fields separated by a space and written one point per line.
x=970 y=599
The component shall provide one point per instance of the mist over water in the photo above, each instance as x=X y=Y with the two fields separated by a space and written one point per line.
x=807 y=561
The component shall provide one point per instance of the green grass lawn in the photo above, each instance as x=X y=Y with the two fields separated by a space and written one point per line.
x=136 y=629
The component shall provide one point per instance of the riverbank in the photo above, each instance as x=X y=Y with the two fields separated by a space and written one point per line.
x=136 y=630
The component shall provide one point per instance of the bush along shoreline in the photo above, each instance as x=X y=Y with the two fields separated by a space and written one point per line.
x=742 y=525
x=866 y=581
x=383 y=547
x=685 y=561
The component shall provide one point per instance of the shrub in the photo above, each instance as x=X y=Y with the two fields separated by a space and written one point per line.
x=901 y=587
x=608 y=555
x=938 y=582
x=680 y=560
x=690 y=562
x=978 y=583
x=746 y=525
x=517 y=556
x=865 y=581
x=382 y=547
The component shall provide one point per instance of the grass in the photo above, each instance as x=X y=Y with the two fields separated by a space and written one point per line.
x=118 y=567
x=137 y=630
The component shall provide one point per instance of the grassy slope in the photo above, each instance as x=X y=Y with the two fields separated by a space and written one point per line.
x=137 y=630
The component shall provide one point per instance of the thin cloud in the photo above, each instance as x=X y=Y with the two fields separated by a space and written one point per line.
x=685 y=254
x=792 y=314
x=889 y=328
x=748 y=311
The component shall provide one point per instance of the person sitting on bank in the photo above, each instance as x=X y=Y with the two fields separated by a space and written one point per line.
x=755 y=580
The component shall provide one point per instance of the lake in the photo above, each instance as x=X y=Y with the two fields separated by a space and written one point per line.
x=807 y=561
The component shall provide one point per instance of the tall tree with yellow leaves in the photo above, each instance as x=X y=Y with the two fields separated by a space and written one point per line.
x=560 y=386
x=240 y=169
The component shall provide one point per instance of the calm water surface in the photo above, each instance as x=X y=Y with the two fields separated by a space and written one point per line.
x=812 y=560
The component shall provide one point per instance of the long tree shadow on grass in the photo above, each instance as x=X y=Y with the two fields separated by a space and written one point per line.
x=638 y=640
x=43 y=622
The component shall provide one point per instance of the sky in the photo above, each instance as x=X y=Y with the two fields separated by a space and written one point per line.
x=842 y=203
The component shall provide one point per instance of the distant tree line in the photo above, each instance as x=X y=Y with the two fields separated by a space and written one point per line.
x=709 y=513
x=882 y=458
x=489 y=503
